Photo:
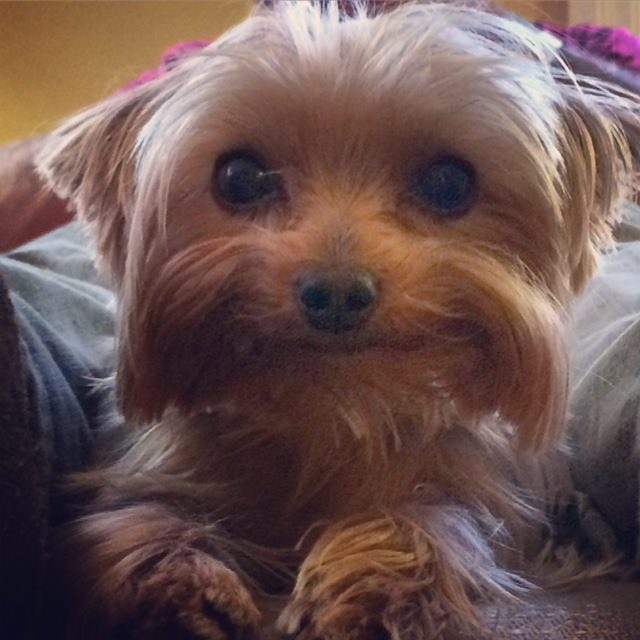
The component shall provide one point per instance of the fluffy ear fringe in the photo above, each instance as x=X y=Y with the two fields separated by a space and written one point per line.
x=601 y=149
x=89 y=162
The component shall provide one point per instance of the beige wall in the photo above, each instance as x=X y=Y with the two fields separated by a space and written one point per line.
x=607 y=13
x=56 y=57
x=553 y=11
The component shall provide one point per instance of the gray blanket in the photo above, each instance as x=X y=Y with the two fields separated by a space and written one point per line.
x=605 y=408
x=66 y=320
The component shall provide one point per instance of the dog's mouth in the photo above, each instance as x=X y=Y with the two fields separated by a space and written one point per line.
x=378 y=345
x=354 y=346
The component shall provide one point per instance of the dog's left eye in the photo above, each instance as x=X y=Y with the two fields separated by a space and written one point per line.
x=241 y=180
x=447 y=186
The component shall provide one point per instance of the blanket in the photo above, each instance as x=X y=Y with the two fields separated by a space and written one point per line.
x=24 y=479
x=56 y=339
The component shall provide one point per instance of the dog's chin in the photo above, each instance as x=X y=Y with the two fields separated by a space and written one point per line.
x=317 y=366
x=460 y=363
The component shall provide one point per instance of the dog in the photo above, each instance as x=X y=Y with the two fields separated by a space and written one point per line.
x=344 y=244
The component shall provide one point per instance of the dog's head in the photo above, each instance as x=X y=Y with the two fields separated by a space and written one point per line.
x=394 y=206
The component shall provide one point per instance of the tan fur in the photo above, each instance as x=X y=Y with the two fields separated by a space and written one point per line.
x=363 y=482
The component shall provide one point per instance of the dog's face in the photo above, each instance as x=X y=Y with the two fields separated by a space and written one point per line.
x=317 y=209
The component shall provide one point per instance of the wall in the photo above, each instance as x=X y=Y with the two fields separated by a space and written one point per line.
x=56 y=57
x=606 y=13
x=552 y=11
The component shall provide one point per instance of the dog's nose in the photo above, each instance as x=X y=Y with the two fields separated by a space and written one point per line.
x=337 y=301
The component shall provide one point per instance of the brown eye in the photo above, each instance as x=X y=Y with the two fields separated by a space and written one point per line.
x=241 y=180
x=447 y=186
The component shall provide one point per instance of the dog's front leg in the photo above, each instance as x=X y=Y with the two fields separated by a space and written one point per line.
x=411 y=575
x=143 y=572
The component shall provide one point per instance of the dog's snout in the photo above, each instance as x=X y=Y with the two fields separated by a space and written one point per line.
x=337 y=301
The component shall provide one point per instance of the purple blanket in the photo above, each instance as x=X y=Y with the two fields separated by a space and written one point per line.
x=615 y=45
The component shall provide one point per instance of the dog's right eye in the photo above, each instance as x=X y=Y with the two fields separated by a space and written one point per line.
x=241 y=180
x=447 y=186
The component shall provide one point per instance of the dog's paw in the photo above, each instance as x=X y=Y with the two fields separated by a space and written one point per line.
x=191 y=598
x=398 y=614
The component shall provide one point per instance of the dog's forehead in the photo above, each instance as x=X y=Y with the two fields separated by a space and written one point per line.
x=298 y=79
x=302 y=43
x=301 y=63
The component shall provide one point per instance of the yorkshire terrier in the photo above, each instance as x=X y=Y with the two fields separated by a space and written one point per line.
x=343 y=245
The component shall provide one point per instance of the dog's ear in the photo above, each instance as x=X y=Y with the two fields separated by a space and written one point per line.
x=600 y=142
x=89 y=161
x=597 y=120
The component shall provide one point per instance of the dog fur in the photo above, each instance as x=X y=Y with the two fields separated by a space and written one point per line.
x=358 y=485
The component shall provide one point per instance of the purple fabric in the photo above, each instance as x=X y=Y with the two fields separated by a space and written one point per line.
x=168 y=61
x=615 y=45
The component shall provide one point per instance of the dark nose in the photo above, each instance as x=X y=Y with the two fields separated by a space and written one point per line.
x=337 y=301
